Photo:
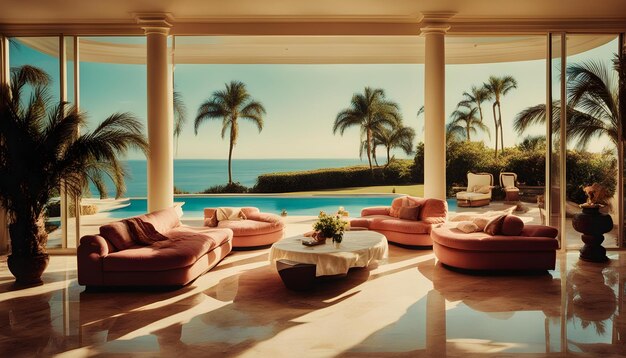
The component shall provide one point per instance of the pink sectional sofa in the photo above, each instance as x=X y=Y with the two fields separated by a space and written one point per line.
x=533 y=249
x=408 y=230
x=114 y=258
x=256 y=231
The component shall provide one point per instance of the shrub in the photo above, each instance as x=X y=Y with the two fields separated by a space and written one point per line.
x=587 y=168
x=53 y=209
x=178 y=190
x=228 y=188
x=396 y=173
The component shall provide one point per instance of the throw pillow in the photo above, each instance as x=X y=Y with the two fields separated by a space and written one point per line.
x=482 y=189
x=143 y=232
x=494 y=226
x=396 y=204
x=463 y=217
x=512 y=225
x=227 y=213
x=210 y=217
x=118 y=235
x=409 y=212
x=467 y=227
x=481 y=221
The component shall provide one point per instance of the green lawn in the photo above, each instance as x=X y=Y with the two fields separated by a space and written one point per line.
x=413 y=190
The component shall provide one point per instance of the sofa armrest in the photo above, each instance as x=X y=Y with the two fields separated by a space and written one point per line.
x=250 y=211
x=375 y=210
x=91 y=251
x=540 y=231
x=273 y=219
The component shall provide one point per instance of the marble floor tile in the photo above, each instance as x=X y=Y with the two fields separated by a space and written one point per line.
x=409 y=305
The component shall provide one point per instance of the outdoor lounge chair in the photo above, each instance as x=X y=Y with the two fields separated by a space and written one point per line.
x=478 y=192
x=507 y=182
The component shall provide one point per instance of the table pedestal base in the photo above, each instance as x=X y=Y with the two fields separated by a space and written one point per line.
x=295 y=275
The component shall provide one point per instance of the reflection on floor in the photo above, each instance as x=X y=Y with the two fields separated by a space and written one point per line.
x=409 y=305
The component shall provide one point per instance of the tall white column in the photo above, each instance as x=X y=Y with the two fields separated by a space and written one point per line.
x=160 y=116
x=434 y=110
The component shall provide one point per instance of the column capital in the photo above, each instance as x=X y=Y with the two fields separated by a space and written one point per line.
x=154 y=23
x=436 y=21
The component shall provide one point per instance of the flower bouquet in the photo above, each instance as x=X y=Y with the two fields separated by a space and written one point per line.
x=328 y=227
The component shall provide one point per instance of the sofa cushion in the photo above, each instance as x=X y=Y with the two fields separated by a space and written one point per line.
x=142 y=232
x=164 y=220
x=409 y=212
x=118 y=235
x=466 y=195
x=177 y=252
x=512 y=225
x=219 y=236
x=400 y=225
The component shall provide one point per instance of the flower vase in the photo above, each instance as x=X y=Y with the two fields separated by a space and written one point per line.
x=593 y=225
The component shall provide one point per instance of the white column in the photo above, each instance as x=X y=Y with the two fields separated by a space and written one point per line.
x=434 y=111
x=160 y=116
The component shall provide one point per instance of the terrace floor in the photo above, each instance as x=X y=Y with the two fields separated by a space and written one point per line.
x=408 y=305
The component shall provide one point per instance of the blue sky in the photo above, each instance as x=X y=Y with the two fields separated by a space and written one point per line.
x=302 y=101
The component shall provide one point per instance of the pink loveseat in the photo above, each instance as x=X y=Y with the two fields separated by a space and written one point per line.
x=114 y=258
x=533 y=249
x=256 y=230
x=413 y=231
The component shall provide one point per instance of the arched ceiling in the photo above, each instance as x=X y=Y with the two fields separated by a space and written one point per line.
x=386 y=11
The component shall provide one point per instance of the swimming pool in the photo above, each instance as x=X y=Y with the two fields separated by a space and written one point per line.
x=295 y=205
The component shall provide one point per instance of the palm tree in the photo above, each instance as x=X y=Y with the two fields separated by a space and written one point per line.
x=41 y=144
x=592 y=105
x=498 y=87
x=363 y=148
x=395 y=137
x=229 y=105
x=370 y=111
x=464 y=122
x=475 y=98
x=180 y=116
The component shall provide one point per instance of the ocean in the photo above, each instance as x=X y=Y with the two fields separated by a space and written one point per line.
x=195 y=175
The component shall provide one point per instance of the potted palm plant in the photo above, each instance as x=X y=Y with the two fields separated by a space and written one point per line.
x=42 y=144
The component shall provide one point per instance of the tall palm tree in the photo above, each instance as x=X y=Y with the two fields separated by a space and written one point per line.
x=475 y=98
x=464 y=122
x=592 y=105
x=42 y=144
x=363 y=148
x=370 y=111
x=180 y=116
x=395 y=137
x=498 y=87
x=229 y=105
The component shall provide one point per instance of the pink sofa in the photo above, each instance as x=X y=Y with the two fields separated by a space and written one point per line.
x=257 y=230
x=412 y=232
x=114 y=258
x=533 y=249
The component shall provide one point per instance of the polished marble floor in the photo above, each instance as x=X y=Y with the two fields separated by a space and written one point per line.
x=407 y=306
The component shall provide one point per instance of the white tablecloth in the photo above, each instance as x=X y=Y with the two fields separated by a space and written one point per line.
x=358 y=249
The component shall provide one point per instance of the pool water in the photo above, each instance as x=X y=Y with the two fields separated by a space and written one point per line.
x=294 y=205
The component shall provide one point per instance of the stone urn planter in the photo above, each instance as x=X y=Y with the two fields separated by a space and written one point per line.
x=593 y=225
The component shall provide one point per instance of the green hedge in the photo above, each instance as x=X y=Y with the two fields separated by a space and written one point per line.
x=582 y=168
x=232 y=188
x=398 y=172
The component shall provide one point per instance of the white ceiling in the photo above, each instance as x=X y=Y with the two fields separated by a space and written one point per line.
x=122 y=11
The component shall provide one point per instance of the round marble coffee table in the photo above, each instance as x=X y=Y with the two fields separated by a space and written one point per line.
x=298 y=265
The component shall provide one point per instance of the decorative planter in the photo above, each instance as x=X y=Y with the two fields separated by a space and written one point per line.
x=28 y=269
x=593 y=225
